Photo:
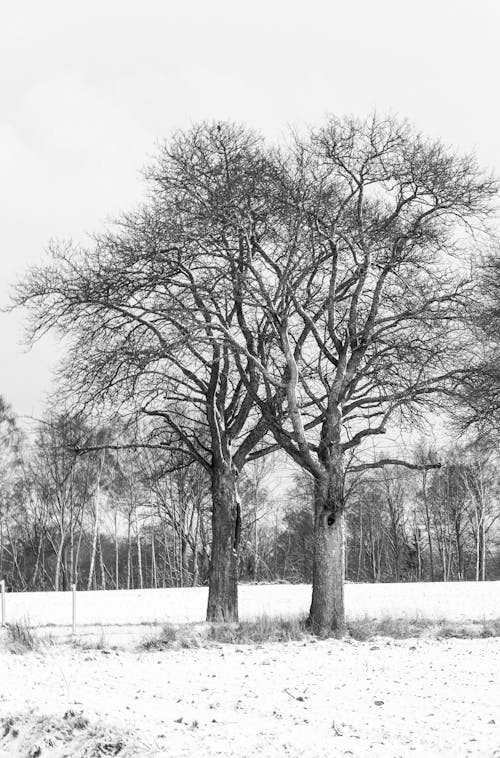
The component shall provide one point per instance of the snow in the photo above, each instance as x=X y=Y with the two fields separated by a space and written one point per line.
x=454 y=601
x=329 y=698
x=422 y=697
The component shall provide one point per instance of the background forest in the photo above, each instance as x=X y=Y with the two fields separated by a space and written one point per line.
x=140 y=517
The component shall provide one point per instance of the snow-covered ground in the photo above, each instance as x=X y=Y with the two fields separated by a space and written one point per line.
x=454 y=601
x=383 y=698
x=393 y=698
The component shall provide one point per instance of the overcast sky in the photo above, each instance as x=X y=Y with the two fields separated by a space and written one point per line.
x=88 y=88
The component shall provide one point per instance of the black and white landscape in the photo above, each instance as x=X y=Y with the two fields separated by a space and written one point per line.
x=250 y=385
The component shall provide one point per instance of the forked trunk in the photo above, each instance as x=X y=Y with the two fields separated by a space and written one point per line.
x=223 y=572
x=327 y=614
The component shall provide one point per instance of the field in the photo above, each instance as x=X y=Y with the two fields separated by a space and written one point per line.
x=452 y=601
x=431 y=696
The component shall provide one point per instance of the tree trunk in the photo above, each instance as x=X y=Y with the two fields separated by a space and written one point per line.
x=95 y=535
x=59 y=554
x=226 y=526
x=154 y=576
x=478 y=545
x=327 y=613
x=102 y=567
x=166 y=558
x=36 y=569
x=139 y=550
x=129 y=551
x=256 y=536
x=72 y=550
x=196 y=571
x=360 y=548
x=117 y=558
x=428 y=525
x=483 y=554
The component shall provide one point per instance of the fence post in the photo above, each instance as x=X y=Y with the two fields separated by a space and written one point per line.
x=2 y=592
x=73 y=614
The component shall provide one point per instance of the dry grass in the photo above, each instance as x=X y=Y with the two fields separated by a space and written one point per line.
x=172 y=636
x=100 y=643
x=21 y=638
x=476 y=629
x=262 y=629
x=279 y=629
x=34 y=735
x=405 y=628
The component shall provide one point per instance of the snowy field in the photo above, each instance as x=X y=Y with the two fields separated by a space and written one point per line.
x=378 y=699
x=382 y=698
x=454 y=601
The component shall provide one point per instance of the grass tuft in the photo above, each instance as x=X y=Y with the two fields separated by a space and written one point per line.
x=21 y=638
x=172 y=636
x=73 y=734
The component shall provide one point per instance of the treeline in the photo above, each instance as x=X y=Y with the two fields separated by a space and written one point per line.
x=404 y=526
x=78 y=508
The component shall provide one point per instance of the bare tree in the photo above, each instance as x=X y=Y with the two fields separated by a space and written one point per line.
x=10 y=440
x=365 y=284
x=425 y=455
x=395 y=498
x=60 y=485
x=480 y=479
x=140 y=306
x=255 y=496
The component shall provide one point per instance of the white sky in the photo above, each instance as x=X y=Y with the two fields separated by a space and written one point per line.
x=88 y=87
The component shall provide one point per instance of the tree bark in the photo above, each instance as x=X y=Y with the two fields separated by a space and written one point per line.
x=483 y=553
x=154 y=575
x=139 y=550
x=117 y=562
x=102 y=567
x=97 y=495
x=428 y=524
x=129 y=550
x=195 y=551
x=226 y=526
x=327 y=614
x=59 y=554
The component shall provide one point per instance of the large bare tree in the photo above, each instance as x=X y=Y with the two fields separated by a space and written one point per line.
x=365 y=283
x=137 y=308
